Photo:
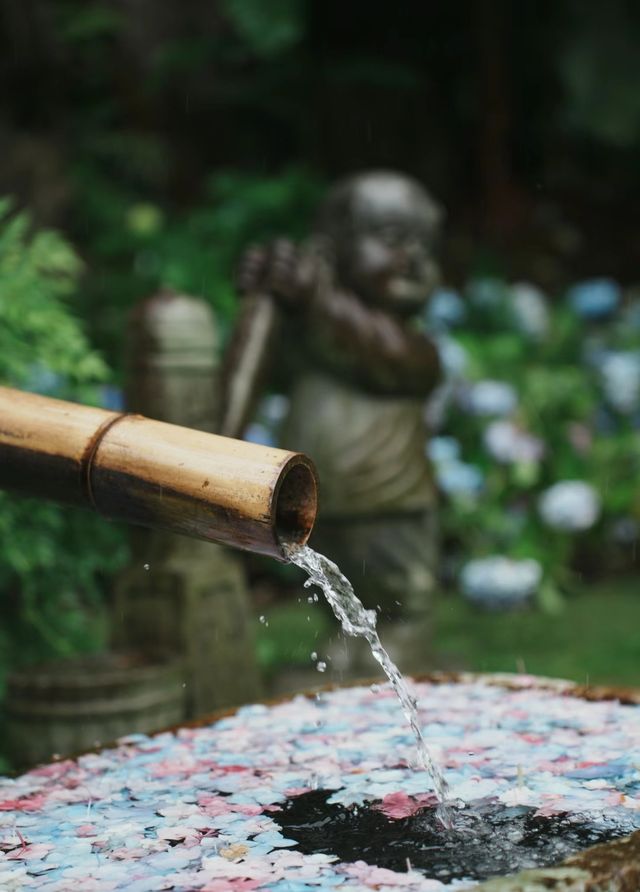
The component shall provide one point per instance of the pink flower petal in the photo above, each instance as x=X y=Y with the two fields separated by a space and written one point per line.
x=399 y=805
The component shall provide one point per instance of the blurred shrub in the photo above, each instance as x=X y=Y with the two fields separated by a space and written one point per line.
x=51 y=559
x=134 y=246
x=540 y=442
x=267 y=29
x=602 y=36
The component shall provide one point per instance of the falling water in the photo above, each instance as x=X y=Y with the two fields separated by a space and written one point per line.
x=359 y=622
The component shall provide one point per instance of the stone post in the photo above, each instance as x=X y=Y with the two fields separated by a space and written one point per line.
x=181 y=595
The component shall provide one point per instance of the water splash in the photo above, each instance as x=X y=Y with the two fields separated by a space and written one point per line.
x=359 y=622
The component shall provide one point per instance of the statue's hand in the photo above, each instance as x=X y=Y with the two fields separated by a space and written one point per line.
x=278 y=269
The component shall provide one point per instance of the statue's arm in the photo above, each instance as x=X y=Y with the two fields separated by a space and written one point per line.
x=368 y=346
x=385 y=353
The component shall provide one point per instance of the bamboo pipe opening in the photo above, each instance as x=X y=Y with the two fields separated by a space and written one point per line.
x=295 y=501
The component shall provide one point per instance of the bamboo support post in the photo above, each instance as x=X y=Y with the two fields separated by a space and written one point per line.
x=247 y=361
x=131 y=468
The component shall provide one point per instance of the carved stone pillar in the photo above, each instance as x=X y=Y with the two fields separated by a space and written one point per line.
x=178 y=594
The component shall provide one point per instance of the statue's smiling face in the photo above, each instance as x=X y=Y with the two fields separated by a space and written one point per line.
x=386 y=253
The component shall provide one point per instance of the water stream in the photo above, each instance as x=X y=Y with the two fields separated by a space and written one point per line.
x=357 y=621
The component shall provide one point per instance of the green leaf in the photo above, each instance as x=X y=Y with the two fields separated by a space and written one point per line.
x=550 y=600
x=268 y=29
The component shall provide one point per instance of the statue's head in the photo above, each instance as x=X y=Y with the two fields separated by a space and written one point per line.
x=382 y=228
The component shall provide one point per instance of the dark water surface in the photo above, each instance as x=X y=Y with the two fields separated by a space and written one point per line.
x=487 y=840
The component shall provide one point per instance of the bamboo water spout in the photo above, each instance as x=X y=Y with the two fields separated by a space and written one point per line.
x=131 y=468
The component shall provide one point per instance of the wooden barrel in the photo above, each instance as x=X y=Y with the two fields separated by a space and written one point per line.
x=65 y=707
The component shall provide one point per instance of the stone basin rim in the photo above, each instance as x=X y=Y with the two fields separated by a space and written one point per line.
x=512 y=681
x=606 y=867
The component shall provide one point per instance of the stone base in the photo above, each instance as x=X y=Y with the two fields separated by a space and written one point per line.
x=192 y=601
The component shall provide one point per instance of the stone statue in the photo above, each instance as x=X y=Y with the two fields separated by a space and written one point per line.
x=181 y=595
x=361 y=370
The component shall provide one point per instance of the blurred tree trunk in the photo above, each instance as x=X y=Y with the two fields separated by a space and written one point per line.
x=31 y=94
x=503 y=199
x=29 y=56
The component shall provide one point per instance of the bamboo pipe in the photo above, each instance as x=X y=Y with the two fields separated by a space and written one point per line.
x=131 y=468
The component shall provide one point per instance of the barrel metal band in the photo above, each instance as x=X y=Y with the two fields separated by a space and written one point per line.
x=90 y=454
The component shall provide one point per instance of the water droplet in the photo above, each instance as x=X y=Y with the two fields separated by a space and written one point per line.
x=314 y=656
x=263 y=620
x=147 y=566
x=375 y=688
x=321 y=666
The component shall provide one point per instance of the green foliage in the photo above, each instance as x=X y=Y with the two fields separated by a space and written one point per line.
x=268 y=29
x=594 y=641
x=288 y=633
x=600 y=68
x=36 y=273
x=136 y=246
x=84 y=24
x=51 y=559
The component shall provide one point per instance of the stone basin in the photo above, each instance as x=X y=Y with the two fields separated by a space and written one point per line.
x=196 y=808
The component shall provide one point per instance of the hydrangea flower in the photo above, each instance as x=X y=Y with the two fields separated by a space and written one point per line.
x=497 y=581
x=260 y=434
x=454 y=477
x=457 y=478
x=570 y=505
x=446 y=309
x=44 y=381
x=508 y=443
x=594 y=351
x=580 y=436
x=486 y=293
x=595 y=298
x=453 y=358
x=631 y=315
x=490 y=397
x=265 y=427
x=112 y=398
x=625 y=530
x=530 y=310
x=620 y=372
x=273 y=408
x=443 y=449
